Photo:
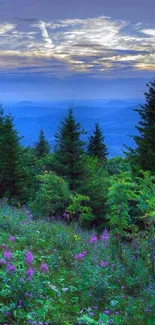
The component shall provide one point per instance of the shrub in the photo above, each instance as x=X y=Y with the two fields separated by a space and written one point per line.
x=52 y=197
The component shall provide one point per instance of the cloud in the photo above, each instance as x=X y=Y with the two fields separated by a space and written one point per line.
x=6 y=28
x=94 y=46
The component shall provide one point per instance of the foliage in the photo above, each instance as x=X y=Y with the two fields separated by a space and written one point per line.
x=79 y=209
x=96 y=188
x=69 y=151
x=42 y=147
x=52 y=196
x=11 y=166
x=96 y=145
x=121 y=190
x=67 y=287
x=144 y=154
x=116 y=165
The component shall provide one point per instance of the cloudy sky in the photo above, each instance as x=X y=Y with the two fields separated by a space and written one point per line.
x=76 y=49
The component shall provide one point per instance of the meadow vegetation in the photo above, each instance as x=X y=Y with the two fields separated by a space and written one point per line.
x=77 y=229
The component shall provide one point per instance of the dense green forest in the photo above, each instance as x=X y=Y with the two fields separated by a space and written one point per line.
x=77 y=228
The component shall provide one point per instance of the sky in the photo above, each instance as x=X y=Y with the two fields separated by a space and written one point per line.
x=68 y=49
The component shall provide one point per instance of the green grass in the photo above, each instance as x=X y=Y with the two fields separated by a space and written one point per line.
x=73 y=291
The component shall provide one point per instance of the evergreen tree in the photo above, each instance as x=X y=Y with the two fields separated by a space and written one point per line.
x=144 y=153
x=69 y=151
x=42 y=147
x=96 y=146
x=11 y=171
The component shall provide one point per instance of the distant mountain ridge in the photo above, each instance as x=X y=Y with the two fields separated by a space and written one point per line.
x=117 y=119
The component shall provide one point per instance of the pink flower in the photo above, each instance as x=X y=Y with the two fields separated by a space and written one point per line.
x=11 y=239
x=29 y=258
x=103 y=263
x=105 y=235
x=7 y=255
x=30 y=273
x=93 y=239
x=43 y=268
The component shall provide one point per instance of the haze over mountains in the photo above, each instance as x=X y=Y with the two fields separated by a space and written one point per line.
x=117 y=119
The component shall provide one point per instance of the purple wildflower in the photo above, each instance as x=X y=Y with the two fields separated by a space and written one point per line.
x=105 y=235
x=20 y=304
x=11 y=239
x=11 y=268
x=7 y=255
x=107 y=311
x=43 y=268
x=30 y=273
x=93 y=239
x=64 y=215
x=29 y=258
x=3 y=246
x=91 y=313
x=80 y=256
x=103 y=263
x=2 y=262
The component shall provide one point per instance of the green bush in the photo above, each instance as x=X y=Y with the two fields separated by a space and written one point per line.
x=52 y=196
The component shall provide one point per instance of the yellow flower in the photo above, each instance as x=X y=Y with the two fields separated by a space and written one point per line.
x=77 y=238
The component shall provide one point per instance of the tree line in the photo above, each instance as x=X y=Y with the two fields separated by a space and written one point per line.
x=83 y=166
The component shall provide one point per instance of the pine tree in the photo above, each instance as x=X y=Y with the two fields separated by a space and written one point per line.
x=96 y=146
x=144 y=153
x=42 y=147
x=11 y=170
x=69 y=151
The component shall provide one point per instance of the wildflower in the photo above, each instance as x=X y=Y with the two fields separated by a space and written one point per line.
x=11 y=268
x=7 y=255
x=105 y=235
x=20 y=304
x=29 y=258
x=3 y=246
x=80 y=256
x=93 y=239
x=11 y=239
x=103 y=263
x=21 y=279
x=30 y=273
x=107 y=311
x=91 y=313
x=65 y=289
x=76 y=237
x=95 y=307
x=43 y=268
x=2 y=262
